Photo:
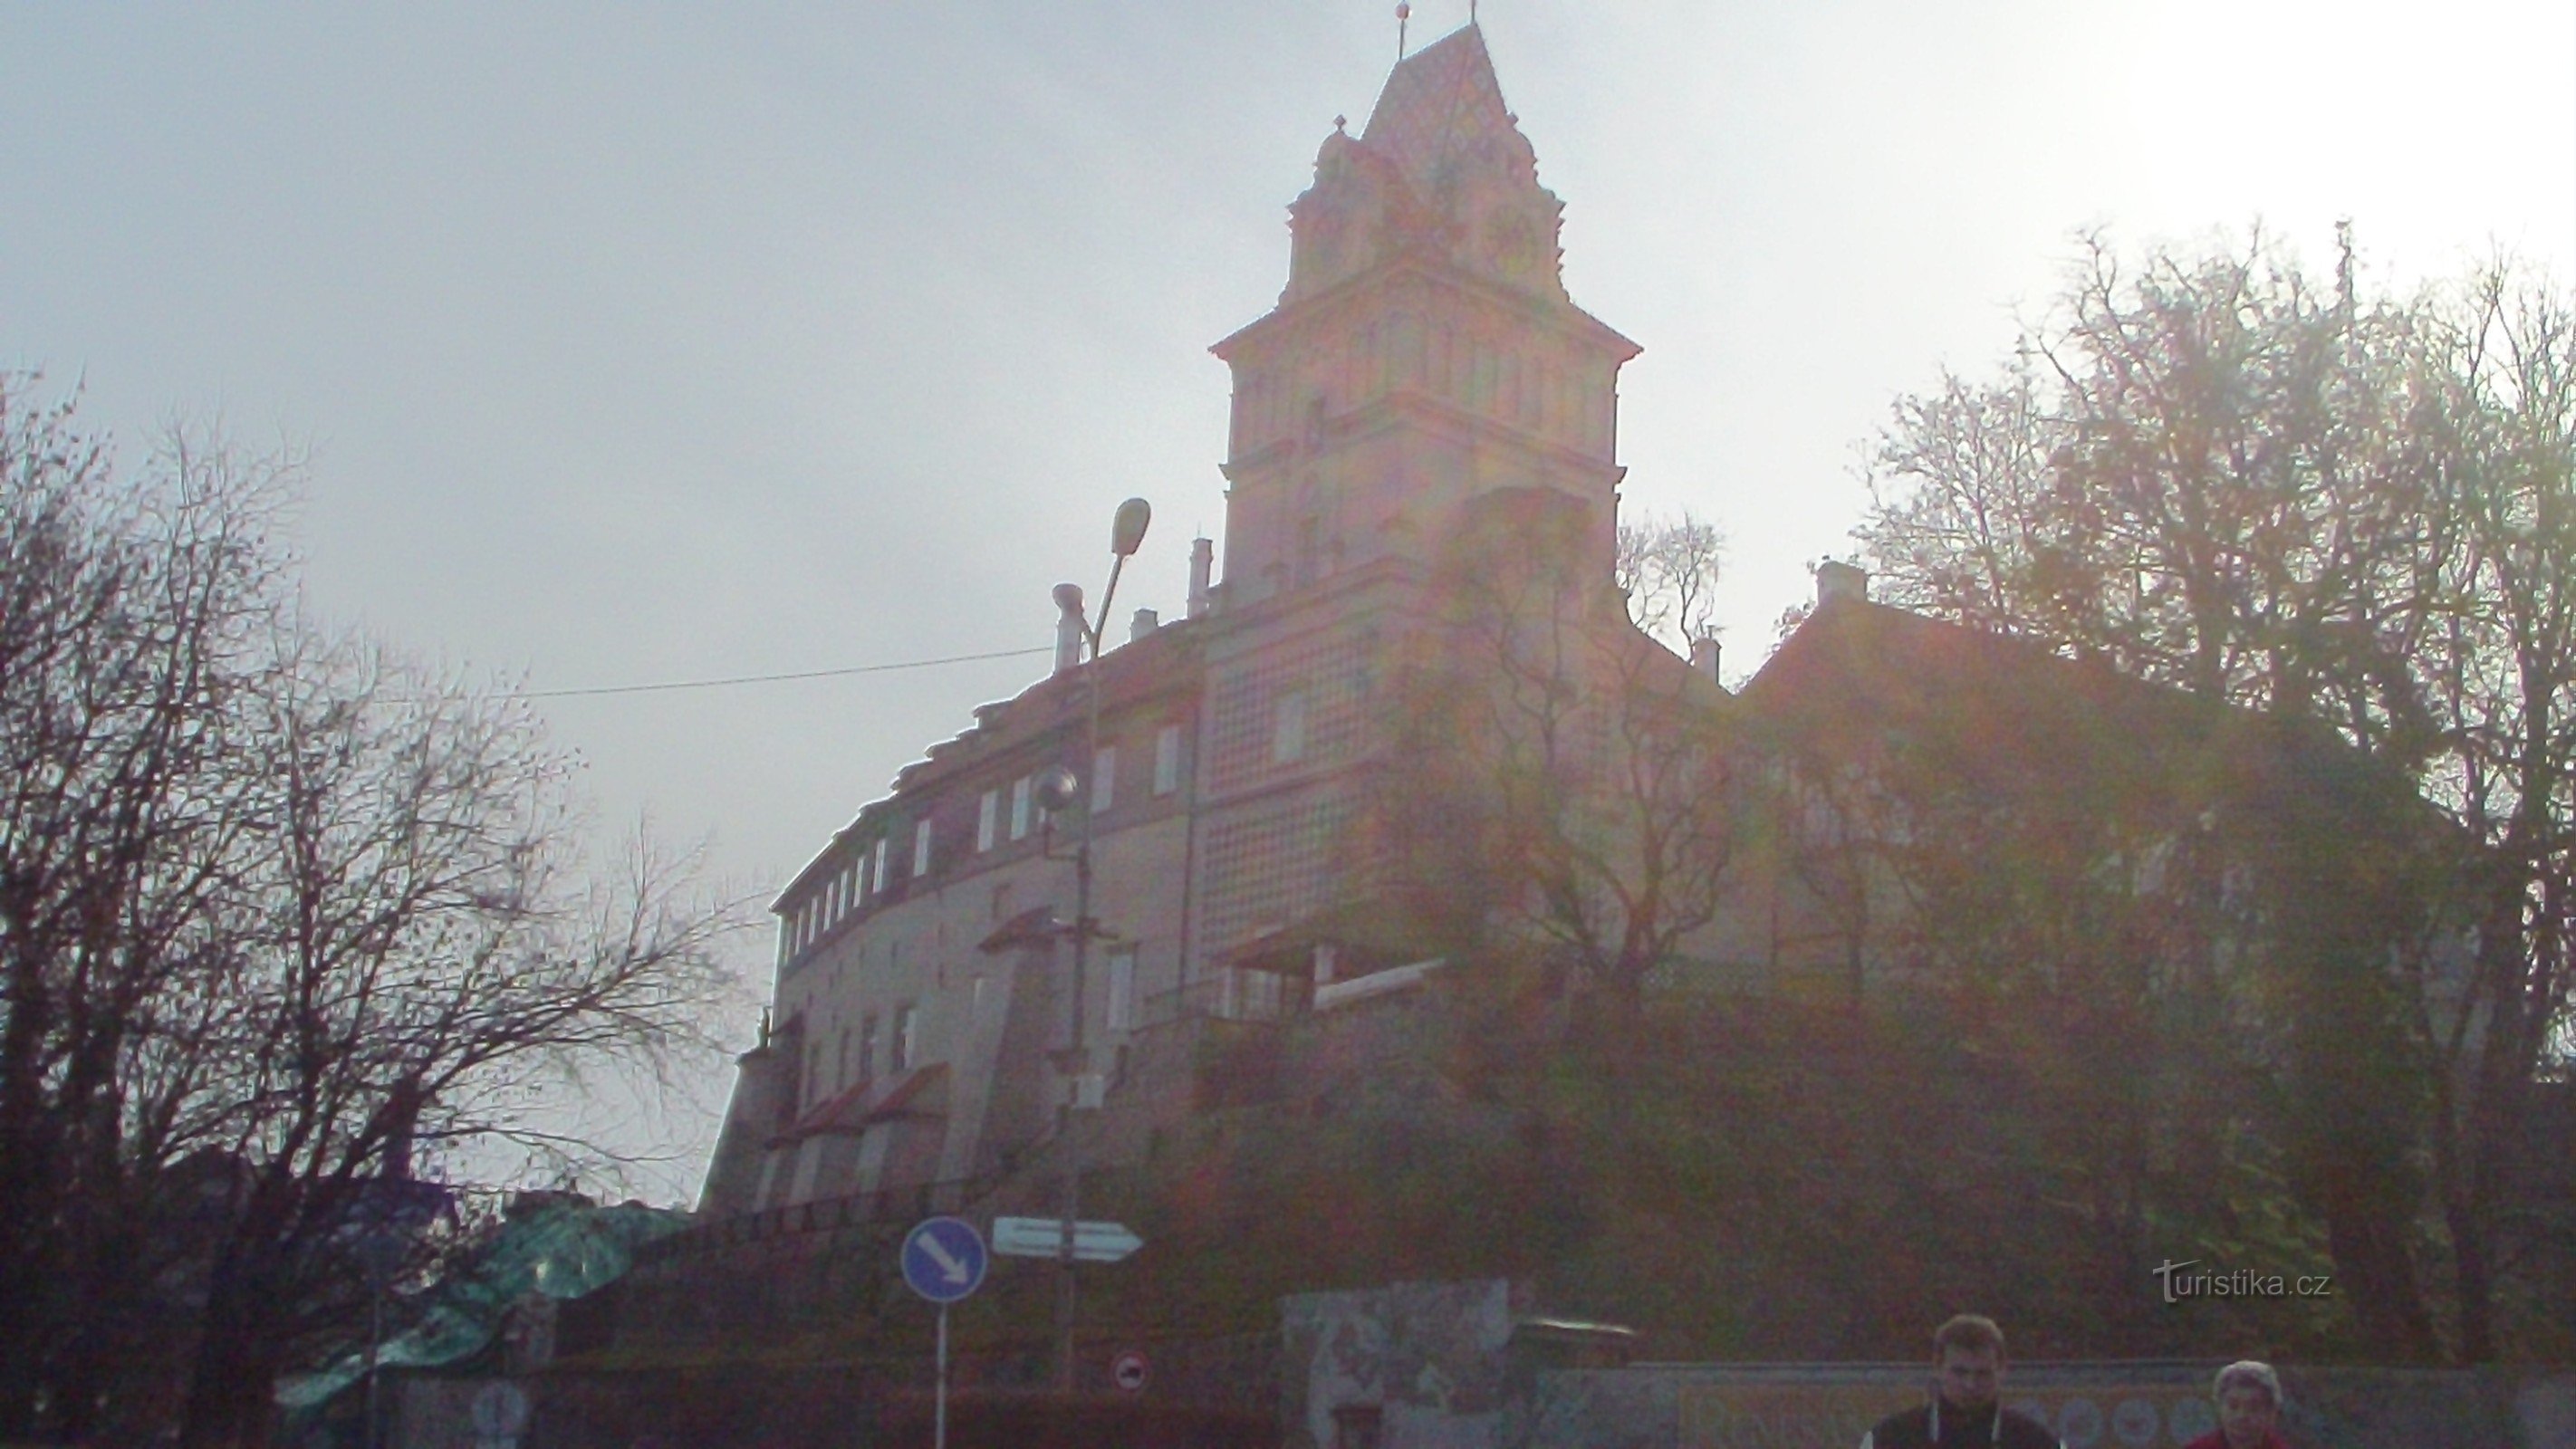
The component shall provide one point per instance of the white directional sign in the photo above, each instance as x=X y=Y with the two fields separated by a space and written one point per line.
x=1041 y=1237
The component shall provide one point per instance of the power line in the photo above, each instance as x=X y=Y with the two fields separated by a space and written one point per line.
x=778 y=678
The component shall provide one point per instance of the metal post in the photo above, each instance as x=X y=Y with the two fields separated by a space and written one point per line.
x=1070 y=1200
x=939 y=1433
x=1125 y=535
x=375 y=1349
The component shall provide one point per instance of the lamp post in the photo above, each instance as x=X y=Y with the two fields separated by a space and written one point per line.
x=1126 y=535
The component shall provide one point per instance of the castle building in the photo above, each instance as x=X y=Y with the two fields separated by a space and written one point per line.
x=1423 y=358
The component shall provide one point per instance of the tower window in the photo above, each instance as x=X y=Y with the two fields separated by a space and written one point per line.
x=1288 y=729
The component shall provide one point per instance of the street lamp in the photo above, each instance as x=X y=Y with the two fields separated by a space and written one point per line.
x=1126 y=535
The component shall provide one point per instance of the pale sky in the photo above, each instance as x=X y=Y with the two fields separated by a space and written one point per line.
x=649 y=343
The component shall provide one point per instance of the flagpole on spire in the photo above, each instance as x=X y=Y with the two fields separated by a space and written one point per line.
x=1403 y=13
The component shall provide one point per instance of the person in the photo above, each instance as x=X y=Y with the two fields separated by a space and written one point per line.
x=2249 y=1409
x=1965 y=1411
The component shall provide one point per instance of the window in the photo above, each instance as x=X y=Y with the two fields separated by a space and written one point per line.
x=975 y=1002
x=867 y=1046
x=813 y=1073
x=907 y=1033
x=1167 y=759
x=920 y=849
x=1288 y=729
x=1122 y=991
x=1104 y=777
x=986 y=811
x=880 y=885
x=1020 y=808
x=841 y=1067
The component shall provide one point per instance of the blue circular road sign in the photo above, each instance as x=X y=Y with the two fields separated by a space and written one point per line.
x=944 y=1259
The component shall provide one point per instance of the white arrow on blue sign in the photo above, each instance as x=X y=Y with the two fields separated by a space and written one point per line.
x=944 y=1259
x=1093 y=1242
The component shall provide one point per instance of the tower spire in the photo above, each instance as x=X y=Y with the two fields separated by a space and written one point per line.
x=1403 y=13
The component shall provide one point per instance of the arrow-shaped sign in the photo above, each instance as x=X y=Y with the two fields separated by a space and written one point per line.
x=1093 y=1242
x=943 y=1259
x=950 y=1267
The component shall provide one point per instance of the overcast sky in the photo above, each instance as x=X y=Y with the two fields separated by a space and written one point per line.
x=650 y=343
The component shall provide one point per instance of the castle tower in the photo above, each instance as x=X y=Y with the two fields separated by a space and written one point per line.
x=1424 y=351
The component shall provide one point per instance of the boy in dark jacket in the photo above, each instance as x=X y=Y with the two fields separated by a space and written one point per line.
x=1965 y=1412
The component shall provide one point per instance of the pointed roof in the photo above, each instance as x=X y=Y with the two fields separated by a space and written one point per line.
x=1443 y=108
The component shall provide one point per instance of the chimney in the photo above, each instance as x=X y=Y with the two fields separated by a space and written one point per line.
x=1202 y=564
x=1145 y=622
x=1704 y=658
x=1837 y=580
x=1068 y=626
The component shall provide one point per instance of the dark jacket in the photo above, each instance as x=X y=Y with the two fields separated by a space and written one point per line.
x=1912 y=1429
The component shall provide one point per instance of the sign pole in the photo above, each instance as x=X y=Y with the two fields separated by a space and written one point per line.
x=943 y=1260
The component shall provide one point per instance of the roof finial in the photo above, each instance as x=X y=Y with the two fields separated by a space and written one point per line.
x=1403 y=13
x=1471 y=12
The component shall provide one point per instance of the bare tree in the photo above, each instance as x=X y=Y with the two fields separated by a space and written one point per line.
x=279 y=908
x=132 y=622
x=1561 y=784
x=1668 y=569
x=2297 y=500
x=2498 y=667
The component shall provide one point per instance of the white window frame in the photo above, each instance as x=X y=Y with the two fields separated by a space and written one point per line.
x=1118 y=1013
x=880 y=868
x=920 y=848
x=907 y=1035
x=1167 y=759
x=1104 y=778
x=988 y=815
x=1020 y=808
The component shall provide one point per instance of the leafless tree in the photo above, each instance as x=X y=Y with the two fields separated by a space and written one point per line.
x=1668 y=569
x=278 y=909
x=2330 y=508
x=1562 y=783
